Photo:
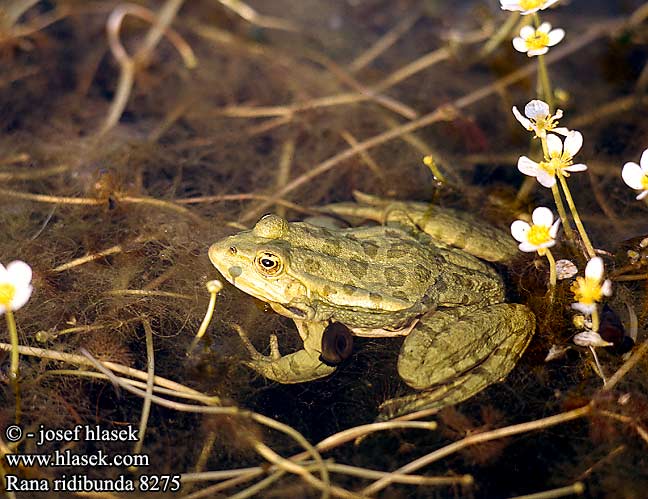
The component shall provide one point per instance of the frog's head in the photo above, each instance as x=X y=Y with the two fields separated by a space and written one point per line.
x=257 y=261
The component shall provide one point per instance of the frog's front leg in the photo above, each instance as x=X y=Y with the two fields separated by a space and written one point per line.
x=455 y=353
x=298 y=367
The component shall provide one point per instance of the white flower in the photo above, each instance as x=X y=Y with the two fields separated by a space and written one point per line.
x=526 y=6
x=15 y=289
x=540 y=235
x=591 y=289
x=559 y=161
x=539 y=120
x=537 y=41
x=637 y=176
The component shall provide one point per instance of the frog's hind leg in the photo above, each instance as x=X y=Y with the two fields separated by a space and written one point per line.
x=456 y=353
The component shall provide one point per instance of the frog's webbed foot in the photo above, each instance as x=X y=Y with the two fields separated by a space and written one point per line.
x=298 y=367
x=456 y=353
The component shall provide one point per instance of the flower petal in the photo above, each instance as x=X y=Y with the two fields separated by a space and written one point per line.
x=519 y=44
x=545 y=178
x=553 y=231
x=510 y=5
x=532 y=53
x=642 y=195
x=555 y=37
x=20 y=273
x=536 y=109
x=606 y=288
x=554 y=145
x=544 y=27
x=527 y=32
x=562 y=130
x=631 y=174
x=519 y=230
x=573 y=143
x=584 y=308
x=21 y=297
x=526 y=123
x=594 y=268
x=527 y=166
x=528 y=247
x=578 y=167
x=644 y=161
x=542 y=216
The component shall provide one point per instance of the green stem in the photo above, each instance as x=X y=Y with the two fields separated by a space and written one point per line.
x=576 y=216
x=543 y=76
x=15 y=358
x=569 y=233
x=552 y=269
x=552 y=275
x=595 y=319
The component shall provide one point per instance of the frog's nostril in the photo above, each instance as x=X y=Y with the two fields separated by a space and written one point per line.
x=232 y=250
x=235 y=271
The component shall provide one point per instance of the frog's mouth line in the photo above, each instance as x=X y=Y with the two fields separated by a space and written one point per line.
x=236 y=277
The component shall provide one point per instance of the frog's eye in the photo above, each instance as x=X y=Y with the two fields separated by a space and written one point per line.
x=268 y=263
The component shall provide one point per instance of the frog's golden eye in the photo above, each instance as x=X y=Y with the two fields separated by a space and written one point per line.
x=268 y=263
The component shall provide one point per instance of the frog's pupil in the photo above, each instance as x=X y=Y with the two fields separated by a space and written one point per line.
x=267 y=263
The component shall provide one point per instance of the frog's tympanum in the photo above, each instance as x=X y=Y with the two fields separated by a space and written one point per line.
x=420 y=274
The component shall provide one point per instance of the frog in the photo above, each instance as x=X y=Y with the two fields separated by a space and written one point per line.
x=419 y=271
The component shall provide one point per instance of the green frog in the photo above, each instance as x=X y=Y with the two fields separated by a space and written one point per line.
x=420 y=274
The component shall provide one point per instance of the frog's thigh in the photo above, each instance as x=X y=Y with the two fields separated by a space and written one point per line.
x=470 y=347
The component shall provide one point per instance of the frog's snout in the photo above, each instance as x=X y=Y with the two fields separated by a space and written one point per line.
x=222 y=254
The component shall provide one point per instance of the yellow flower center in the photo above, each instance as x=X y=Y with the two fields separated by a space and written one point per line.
x=587 y=291
x=644 y=182
x=550 y=166
x=537 y=41
x=7 y=293
x=531 y=4
x=538 y=234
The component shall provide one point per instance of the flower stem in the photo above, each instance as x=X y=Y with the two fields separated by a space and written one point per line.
x=15 y=358
x=595 y=319
x=543 y=76
x=569 y=233
x=552 y=274
x=576 y=216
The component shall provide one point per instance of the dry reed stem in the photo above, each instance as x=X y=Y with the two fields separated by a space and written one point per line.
x=129 y=65
x=34 y=173
x=120 y=368
x=594 y=32
x=91 y=257
x=252 y=16
x=150 y=381
x=323 y=485
x=576 y=488
x=146 y=292
x=205 y=399
x=158 y=203
x=478 y=438
x=384 y=42
x=519 y=428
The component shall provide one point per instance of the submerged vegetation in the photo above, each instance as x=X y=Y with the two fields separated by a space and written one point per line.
x=136 y=134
